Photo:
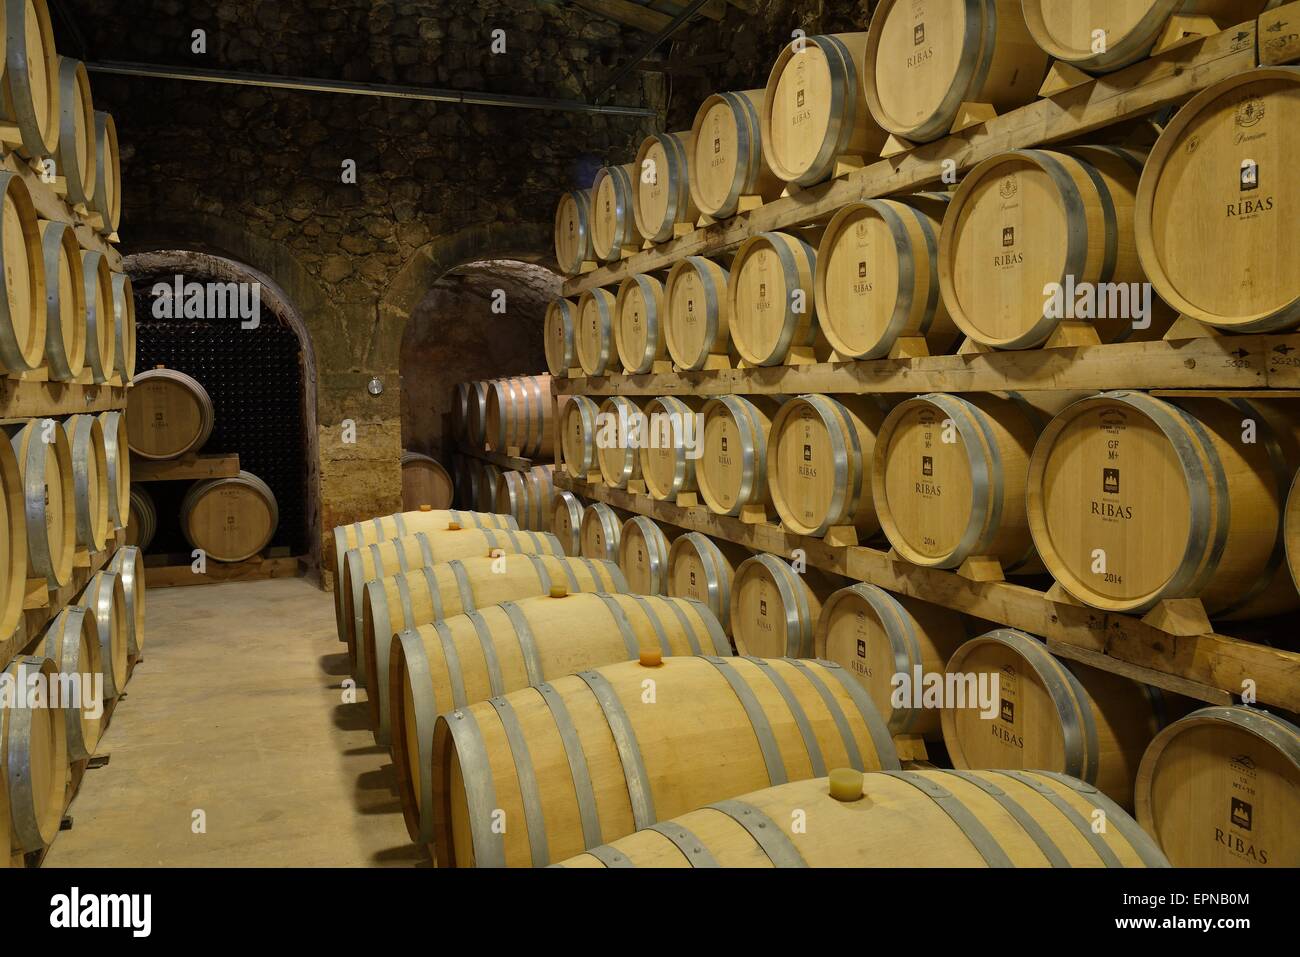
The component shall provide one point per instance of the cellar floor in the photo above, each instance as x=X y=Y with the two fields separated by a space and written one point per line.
x=237 y=711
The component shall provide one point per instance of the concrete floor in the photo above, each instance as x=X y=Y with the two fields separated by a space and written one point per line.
x=237 y=710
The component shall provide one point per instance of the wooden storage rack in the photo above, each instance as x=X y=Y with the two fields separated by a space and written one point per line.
x=1190 y=360
x=188 y=468
x=511 y=463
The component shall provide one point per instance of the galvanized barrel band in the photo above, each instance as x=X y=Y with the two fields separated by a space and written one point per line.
x=629 y=751
x=489 y=648
x=960 y=815
x=886 y=753
x=758 y=720
x=847 y=737
x=800 y=716
x=579 y=773
x=767 y=834
x=480 y=792
x=1142 y=843
x=529 y=792
x=452 y=659
x=691 y=847
x=426 y=708
x=624 y=626
x=1095 y=840
x=1031 y=827
x=527 y=642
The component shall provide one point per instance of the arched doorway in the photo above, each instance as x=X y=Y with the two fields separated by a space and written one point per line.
x=260 y=373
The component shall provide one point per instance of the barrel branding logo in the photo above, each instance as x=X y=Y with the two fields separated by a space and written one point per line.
x=1008 y=189
x=927 y=465
x=1241 y=814
x=1250 y=111
x=1008 y=711
x=918 y=34
x=807 y=452
x=862 y=648
x=128 y=911
x=1008 y=236
x=1249 y=175
x=1110 y=481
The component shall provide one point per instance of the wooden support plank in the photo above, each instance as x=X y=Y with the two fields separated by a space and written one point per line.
x=1211 y=666
x=629 y=14
x=173 y=576
x=186 y=468
x=1279 y=35
x=1102 y=101
x=23 y=399
x=513 y=463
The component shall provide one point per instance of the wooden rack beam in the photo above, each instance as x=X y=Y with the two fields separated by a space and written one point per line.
x=22 y=399
x=512 y=463
x=186 y=468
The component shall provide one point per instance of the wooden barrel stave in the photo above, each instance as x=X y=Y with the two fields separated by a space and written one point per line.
x=613 y=217
x=23 y=319
x=105 y=602
x=45 y=464
x=671 y=446
x=774 y=609
x=65 y=300
x=90 y=487
x=35 y=760
x=643 y=554
x=600 y=530
x=128 y=565
x=561 y=347
x=71 y=642
x=573 y=239
x=727 y=163
x=230 y=519
x=662 y=186
x=697 y=327
x=639 y=320
x=424 y=482
x=771 y=299
x=702 y=569
x=170 y=413
x=566 y=522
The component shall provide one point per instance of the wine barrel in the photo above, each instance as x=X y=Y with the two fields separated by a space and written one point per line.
x=732 y=471
x=230 y=519
x=566 y=522
x=875 y=636
x=71 y=643
x=460 y=411
x=594 y=333
x=31 y=79
x=671 y=446
x=1006 y=819
x=530 y=494
x=643 y=555
x=90 y=487
x=1028 y=221
x=128 y=565
x=697 y=327
x=142 y=518
x=515 y=646
x=105 y=601
x=819 y=456
x=771 y=298
x=169 y=414
x=1221 y=788
x=476 y=415
x=1074 y=719
x=489 y=480
x=1223 y=252
x=814 y=112
x=726 y=161
x=424 y=482
x=616 y=454
x=101 y=317
x=925 y=59
x=23 y=308
x=877 y=278
x=639 y=320
x=65 y=302
x=45 y=464
x=1068 y=31
x=108 y=175
x=520 y=415
x=1133 y=500
x=774 y=609
x=13 y=543
x=662 y=188
x=589 y=734
x=76 y=154
x=947 y=477
x=1291 y=530
x=382 y=559
x=578 y=437
x=123 y=326
x=35 y=758
x=613 y=220
x=573 y=239
x=599 y=531
x=702 y=568
x=561 y=354
x=118 y=457
x=398 y=603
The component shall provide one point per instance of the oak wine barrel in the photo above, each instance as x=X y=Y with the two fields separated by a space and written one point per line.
x=45 y=464
x=814 y=112
x=697 y=327
x=599 y=531
x=31 y=78
x=927 y=57
x=594 y=333
x=230 y=519
x=1133 y=499
x=671 y=445
x=876 y=635
x=639 y=320
x=71 y=643
x=573 y=239
x=398 y=603
x=527 y=496
x=1291 y=530
x=65 y=302
x=819 y=460
x=566 y=522
x=13 y=541
x=643 y=555
x=118 y=457
x=476 y=415
x=771 y=298
x=76 y=153
x=616 y=455
x=1027 y=221
x=578 y=421
x=519 y=415
x=142 y=517
x=726 y=161
x=1221 y=788
x=774 y=609
x=590 y=734
x=101 y=315
x=23 y=306
x=108 y=175
x=1223 y=251
x=170 y=413
x=462 y=661
x=662 y=188
x=1006 y=819
x=424 y=482
x=35 y=760
x=948 y=479
x=732 y=471
x=702 y=568
x=105 y=601
x=128 y=565
x=613 y=217
x=460 y=410
x=560 y=345
x=90 y=486
x=878 y=277
x=485 y=479
x=123 y=326
x=1051 y=715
